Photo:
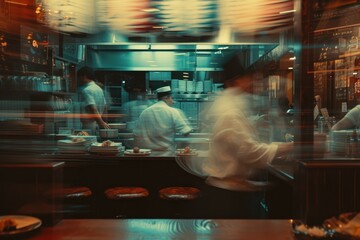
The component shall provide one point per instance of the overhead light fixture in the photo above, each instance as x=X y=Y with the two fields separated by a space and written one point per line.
x=151 y=10
x=292 y=58
x=203 y=53
x=290 y=68
x=288 y=11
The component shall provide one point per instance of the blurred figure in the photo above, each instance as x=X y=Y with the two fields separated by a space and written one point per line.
x=317 y=108
x=281 y=120
x=236 y=151
x=134 y=108
x=158 y=124
x=93 y=101
x=350 y=120
x=236 y=160
x=107 y=100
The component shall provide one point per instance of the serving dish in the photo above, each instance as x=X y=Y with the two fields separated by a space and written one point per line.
x=89 y=139
x=142 y=152
x=346 y=226
x=302 y=231
x=24 y=224
x=187 y=151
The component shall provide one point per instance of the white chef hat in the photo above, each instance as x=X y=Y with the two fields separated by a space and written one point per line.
x=163 y=91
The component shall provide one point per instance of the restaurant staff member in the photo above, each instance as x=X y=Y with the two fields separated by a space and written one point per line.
x=236 y=151
x=157 y=124
x=317 y=108
x=350 y=120
x=93 y=101
x=236 y=156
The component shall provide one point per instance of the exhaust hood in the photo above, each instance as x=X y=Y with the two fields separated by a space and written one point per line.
x=170 y=57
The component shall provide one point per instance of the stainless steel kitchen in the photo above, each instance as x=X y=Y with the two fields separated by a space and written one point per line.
x=179 y=119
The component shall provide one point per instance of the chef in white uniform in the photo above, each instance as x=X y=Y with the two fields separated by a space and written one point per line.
x=158 y=124
x=236 y=152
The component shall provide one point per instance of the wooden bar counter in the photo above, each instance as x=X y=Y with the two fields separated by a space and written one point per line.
x=102 y=229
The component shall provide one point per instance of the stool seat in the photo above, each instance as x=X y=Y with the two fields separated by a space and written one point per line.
x=73 y=192
x=179 y=193
x=235 y=184
x=117 y=193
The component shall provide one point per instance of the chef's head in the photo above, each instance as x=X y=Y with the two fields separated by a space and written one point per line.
x=235 y=75
x=85 y=74
x=164 y=94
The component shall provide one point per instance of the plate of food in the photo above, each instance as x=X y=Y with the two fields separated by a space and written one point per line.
x=73 y=141
x=345 y=226
x=106 y=144
x=11 y=225
x=137 y=152
x=186 y=151
x=303 y=231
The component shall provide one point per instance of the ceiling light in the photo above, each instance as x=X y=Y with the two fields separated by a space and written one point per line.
x=289 y=11
x=151 y=10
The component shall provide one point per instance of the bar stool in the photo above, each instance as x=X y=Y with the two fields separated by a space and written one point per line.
x=227 y=198
x=77 y=201
x=127 y=202
x=74 y=192
x=180 y=202
x=235 y=198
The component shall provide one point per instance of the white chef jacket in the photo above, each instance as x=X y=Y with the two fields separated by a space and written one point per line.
x=235 y=152
x=354 y=116
x=157 y=125
x=91 y=94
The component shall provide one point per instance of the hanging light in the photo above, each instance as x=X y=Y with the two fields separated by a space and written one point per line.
x=70 y=16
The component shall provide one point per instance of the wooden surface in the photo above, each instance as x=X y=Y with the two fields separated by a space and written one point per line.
x=101 y=229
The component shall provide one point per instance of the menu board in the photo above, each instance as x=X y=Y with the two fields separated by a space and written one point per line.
x=320 y=77
x=337 y=56
x=330 y=14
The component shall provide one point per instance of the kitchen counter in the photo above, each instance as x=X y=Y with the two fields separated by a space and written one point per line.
x=100 y=229
x=284 y=170
x=106 y=158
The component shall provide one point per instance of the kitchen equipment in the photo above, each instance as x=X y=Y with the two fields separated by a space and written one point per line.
x=109 y=133
x=118 y=126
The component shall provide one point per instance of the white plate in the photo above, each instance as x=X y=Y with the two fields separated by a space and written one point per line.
x=98 y=145
x=74 y=151
x=142 y=152
x=23 y=224
x=187 y=154
x=70 y=142
x=104 y=150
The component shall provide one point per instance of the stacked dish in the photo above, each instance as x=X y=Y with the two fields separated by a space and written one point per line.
x=338 y=140
x=76 y=145
x=137 y=152
x=199 y=88
x=106 y=147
